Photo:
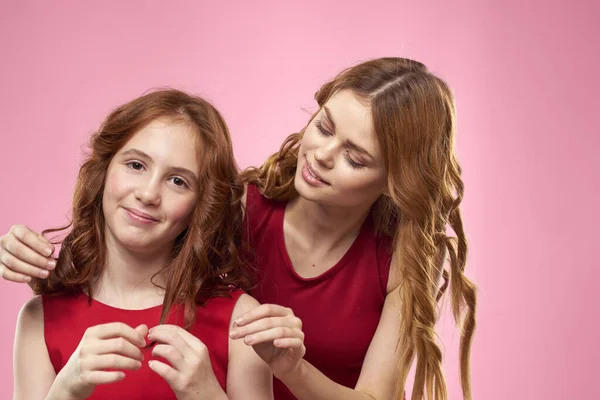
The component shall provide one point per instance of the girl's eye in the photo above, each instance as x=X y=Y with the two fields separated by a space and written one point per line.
x=177 y=181
x=135 y=165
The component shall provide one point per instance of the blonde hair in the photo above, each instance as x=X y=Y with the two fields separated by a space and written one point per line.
x=414 y=121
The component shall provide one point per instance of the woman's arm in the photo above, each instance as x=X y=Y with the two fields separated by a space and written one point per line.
x=277 y=337
x=277 y=326
x=378 y=375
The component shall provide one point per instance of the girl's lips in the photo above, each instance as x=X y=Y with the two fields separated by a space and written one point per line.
x=140 y=216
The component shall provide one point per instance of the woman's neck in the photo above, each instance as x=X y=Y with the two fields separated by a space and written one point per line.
x=324 y=227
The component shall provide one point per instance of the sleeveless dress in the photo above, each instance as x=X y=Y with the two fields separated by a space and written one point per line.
x=340 y=309
x=66 y=318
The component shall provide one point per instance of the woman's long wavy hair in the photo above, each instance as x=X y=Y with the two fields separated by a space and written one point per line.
x=205 y=259
x=414 y=121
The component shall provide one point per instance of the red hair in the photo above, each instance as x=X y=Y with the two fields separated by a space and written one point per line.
x=205 y=259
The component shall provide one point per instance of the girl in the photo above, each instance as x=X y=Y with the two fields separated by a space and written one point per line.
x=156 y=223
x=348 y=228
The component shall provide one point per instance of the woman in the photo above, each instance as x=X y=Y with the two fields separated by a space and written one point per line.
x=156 y=222
x=348 y=227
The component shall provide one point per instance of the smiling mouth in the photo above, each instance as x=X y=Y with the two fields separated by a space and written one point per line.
x=140 y=216
x=313 y=173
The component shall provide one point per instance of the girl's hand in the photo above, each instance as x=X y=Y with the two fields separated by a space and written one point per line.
x=190 y=374
x=114 y=346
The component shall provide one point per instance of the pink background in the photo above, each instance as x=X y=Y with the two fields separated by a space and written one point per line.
x=524 y=74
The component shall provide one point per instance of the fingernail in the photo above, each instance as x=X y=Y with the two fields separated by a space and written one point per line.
x=239 y=321
x=44 y=274
x=233 y=334
x=47 y=251
x=27 y=279
x=248 y=340
x=51 y=264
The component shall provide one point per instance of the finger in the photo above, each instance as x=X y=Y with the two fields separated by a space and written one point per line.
x=33 y=240
x=171 y=337
x=190 y=339
x=13 y=276
x=21 y=251
x=14 y=264
x=168 y=373
x=116 y=346
x=263 y=311
x=289 y=343
x=112 y=361
x=117 y=329
x=48 y=246
x=264 y=324
x=171 y=354
x=272 y=334
x=142 y=330
x=102 y=377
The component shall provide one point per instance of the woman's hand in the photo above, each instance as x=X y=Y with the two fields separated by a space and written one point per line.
x=25 y=254
x=276 y=335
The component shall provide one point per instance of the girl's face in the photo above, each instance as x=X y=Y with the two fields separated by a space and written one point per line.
x=151 y=187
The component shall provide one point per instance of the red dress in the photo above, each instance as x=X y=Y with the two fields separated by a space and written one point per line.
x=66 y=318
x=340 y=309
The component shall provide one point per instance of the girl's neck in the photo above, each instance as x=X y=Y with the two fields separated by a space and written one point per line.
x=131 y=280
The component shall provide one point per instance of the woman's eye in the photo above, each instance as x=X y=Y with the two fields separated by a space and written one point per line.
x=322 y=129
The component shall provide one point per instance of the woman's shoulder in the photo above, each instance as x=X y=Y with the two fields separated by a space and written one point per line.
x=258 y=209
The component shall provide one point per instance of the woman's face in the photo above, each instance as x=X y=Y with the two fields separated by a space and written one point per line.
x=339 y=160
